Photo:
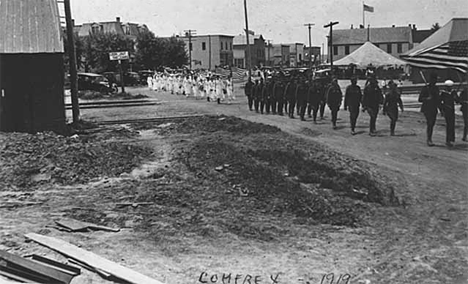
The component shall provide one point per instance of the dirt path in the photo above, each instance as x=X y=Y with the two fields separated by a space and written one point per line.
x=423 y=240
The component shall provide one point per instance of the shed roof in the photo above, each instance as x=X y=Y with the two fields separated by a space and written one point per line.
x=376 y=35
x=30 y=26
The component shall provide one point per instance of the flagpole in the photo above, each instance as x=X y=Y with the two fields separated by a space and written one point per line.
x=363 y=15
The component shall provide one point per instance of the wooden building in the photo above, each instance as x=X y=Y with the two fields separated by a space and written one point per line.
x=31 y=67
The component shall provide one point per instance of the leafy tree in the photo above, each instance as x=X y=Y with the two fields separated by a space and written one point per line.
x=153 y=52
x=435 y=27
x=96 y=48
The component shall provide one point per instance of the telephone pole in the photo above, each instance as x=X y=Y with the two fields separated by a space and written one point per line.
x=330 y=25
x=269 y=47
x=189 y=34
x=72 y=63
x=310 y=42
x=248 y=42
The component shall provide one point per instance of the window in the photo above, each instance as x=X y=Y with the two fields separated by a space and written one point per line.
x=221 y=45
x=346 y=49
x=335 y=50
x=300 y=57
x=190 y=46
x=226 y=45
x=399 y=48
x=389 y=48
x=230 y=45
x=203 y=45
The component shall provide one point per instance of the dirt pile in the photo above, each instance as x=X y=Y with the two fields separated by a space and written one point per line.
x=29 y=160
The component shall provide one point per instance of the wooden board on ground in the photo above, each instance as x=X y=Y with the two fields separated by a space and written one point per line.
x=33 y=267
x=92 y=259
x=75 y=225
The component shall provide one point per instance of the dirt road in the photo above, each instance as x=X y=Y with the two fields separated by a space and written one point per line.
x=421 y=238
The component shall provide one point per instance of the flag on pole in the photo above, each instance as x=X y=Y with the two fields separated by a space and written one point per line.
x=368 y=8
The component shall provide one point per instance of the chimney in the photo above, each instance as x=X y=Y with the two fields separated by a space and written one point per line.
x=73 y=22
x=409 y=25
x=393 y=26
x=414 y=27
x=351 y=26
x=117 y=19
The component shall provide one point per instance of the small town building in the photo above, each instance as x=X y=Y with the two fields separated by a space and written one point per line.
x=257 y=48
x=393 y=40
x=129 y=30
x=209 y=51
x=296 y=54
x=31 y=67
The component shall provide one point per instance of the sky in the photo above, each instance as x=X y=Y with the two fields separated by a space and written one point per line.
x=281 y=21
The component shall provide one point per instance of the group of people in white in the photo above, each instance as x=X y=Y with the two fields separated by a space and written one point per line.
x=207 y=86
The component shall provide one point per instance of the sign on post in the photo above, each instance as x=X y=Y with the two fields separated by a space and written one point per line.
x=119 y=55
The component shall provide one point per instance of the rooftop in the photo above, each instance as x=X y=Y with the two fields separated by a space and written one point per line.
x=377 y=35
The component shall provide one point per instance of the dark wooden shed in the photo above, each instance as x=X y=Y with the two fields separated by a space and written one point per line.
x=31 y=67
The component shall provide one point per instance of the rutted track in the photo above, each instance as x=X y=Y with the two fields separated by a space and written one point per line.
x=143 y=120
x=113 y=104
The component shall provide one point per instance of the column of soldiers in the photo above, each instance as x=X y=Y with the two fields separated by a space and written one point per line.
x=301 y=96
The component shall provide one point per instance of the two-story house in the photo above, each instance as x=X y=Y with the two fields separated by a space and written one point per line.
x=257 y=48
x=209 y=51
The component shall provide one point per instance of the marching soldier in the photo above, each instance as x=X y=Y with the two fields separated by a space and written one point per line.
x=334 y=97
x=463 y=100
x=447 y=100
x=371 y=101
x=322 y=91
x=278 y=92
x=301 y=98
x=258 y=94
x=390 y=106
x=290 y=92
x=313 y=99
x=352 y=103
x=249 y=90
x=264 y=103
x=430 y=99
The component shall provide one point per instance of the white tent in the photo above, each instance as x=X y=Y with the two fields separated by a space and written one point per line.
x=368 y=54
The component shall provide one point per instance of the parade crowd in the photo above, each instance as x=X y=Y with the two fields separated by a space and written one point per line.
x=280 y=94
x=207 y=86
x=286 y=94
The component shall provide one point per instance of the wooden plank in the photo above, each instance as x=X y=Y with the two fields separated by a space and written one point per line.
x=72 y=270
x=92 y=259
x=14 y=277
x=75 y=225
x=37 y=268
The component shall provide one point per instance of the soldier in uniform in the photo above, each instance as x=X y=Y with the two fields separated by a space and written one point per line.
x=390 y=106
x=273 y=99
x=301 y=98
x=322 y=90
x=285 y=95
x=463 y=100
x=371 y=101
x=248 y=90
x=290 y=92
x=258 y=94
x=352 y=103
x=334 y=97
x=278 y=92
x=312 y=99
x=265 y=102
x=447 y=101
x=430 y=99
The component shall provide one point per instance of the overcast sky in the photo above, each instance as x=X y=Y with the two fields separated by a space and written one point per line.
x=281 y=21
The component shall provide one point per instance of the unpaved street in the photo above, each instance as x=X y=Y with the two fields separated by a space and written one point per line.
x=233 y=201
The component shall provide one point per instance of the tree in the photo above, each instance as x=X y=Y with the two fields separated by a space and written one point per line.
x=435 y=27
x=96 y=48
x=153 y=52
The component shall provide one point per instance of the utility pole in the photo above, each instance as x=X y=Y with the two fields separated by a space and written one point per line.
x=189 y=34
x=269 y=47
x=310 y=42
x=330 y=25
x=72 y=63
x=248 y=42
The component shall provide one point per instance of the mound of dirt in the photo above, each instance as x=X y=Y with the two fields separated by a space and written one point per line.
x=28 y=160
x=209 y=124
